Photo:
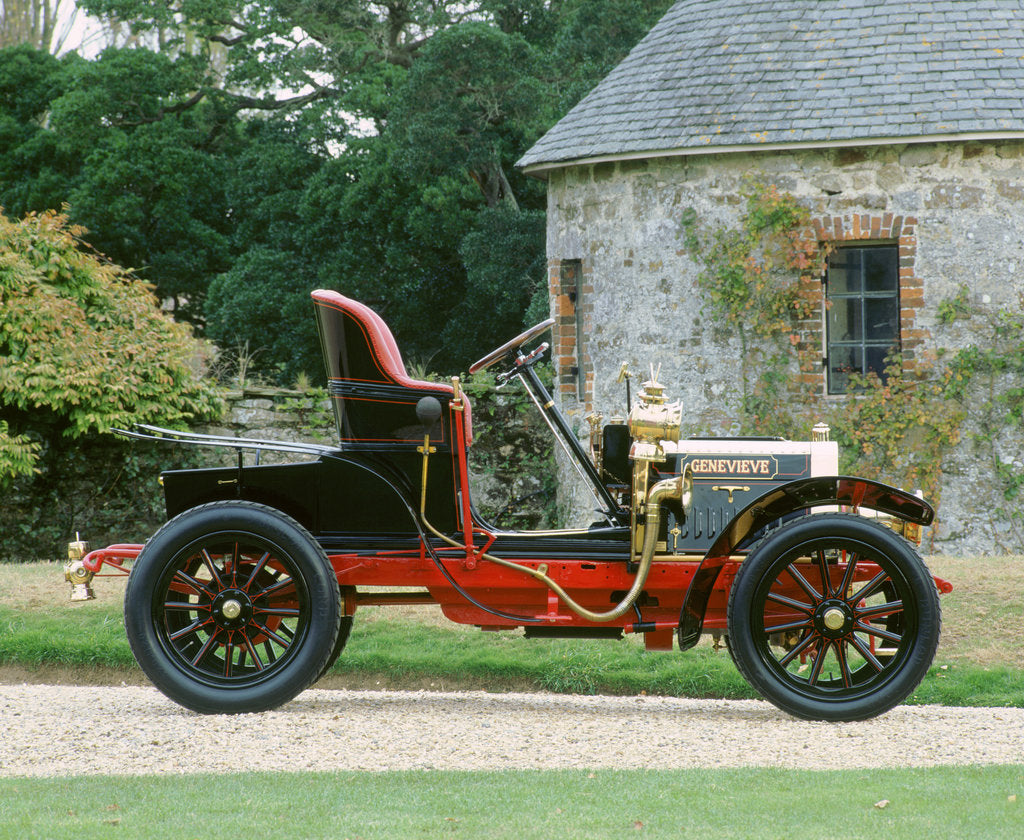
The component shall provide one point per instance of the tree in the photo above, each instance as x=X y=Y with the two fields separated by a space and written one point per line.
x=255 y=149
x=108 y=142
x=473 y=100
x=36 y=171
x=84 y=346
x=42 y=24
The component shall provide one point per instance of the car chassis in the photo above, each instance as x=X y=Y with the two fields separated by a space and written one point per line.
x=246 y=596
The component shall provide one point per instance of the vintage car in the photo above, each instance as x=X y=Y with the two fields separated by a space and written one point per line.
x=246 y=596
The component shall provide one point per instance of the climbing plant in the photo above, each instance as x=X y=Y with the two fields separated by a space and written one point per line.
x=898 y=427
x=763 y=279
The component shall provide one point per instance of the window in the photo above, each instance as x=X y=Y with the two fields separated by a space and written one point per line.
x=862 y=312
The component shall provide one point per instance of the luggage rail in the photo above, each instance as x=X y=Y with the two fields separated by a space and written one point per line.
x=141 y=431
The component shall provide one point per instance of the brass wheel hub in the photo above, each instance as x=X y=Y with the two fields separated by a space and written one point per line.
x=834 y=619
x=232 y=609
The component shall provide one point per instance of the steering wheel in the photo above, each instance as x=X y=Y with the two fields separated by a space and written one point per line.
x=509 y=346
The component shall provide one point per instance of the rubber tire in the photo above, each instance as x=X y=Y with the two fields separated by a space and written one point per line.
x=878 y=691
x=182 y=538
x=344 y=630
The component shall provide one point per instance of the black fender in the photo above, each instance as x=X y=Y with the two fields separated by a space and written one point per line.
x=776 y=503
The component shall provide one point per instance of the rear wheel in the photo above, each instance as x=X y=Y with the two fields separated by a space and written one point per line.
x=833 y=617
x=232 y=607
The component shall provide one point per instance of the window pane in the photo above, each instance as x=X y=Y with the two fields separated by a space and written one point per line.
x=882 y=319
x=844 y=321
x=875 y=358
x=842 y=361
x=880 y=270
x=844 y=270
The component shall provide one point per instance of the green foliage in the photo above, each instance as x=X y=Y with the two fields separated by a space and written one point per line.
x=83 y=345
x=590 y=39
x=18 y=454
x=756 y=279
x=951 y=309
x=473 y=99
x=111 y=142
x=759 y=278
x=35 y=168
x=263 y=304
x=748 y=273
x=512 y=454
x=237 y=164
x=899 y=427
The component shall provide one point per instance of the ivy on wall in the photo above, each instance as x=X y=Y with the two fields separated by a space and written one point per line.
x=987 y=377
x=758 y=279
x=762 y=278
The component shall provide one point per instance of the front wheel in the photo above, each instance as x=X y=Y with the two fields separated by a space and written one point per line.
x=232 y=607
x=833 y=617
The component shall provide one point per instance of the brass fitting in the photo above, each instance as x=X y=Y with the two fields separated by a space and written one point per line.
x=75 y=572
x=653 y=420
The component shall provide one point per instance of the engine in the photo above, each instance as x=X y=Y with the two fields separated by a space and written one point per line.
x=722 y=475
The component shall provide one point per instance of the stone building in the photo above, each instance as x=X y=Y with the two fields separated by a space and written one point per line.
x=898 y=125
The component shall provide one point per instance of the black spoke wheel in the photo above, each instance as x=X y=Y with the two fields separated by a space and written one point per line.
x=833 y=617
x=232 y=607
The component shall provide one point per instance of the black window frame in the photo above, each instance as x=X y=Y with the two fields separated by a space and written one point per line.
x=868 y=303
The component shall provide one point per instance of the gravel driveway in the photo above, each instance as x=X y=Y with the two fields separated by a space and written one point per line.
x=65 y=730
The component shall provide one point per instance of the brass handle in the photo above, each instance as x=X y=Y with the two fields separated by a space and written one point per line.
x=731 y=488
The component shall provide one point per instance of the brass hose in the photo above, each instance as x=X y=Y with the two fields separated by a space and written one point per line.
x=669 y=488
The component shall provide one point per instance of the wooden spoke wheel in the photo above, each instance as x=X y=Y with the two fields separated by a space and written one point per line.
x=232 y=607
x=833 y=617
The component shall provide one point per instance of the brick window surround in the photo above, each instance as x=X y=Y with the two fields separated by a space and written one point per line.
x=868 y=229
x=572 y=290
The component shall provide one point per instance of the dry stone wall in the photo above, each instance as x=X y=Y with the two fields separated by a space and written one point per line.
x=510 y=463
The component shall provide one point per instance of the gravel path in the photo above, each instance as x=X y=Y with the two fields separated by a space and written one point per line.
x=65 y=730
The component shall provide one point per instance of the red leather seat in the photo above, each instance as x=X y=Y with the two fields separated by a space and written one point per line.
x=380 y=361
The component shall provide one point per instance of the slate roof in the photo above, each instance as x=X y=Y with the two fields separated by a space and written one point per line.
x=730 y=75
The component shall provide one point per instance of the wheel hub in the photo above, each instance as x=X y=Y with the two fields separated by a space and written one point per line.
x=834 y=618
x=232 y=609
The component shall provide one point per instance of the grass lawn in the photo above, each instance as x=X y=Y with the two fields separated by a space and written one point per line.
x=974 y=802
x=44 y=636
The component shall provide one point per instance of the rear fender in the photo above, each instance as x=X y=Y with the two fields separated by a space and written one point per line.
x=795 y=496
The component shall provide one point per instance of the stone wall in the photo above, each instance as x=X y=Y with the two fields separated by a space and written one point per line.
x=274 y=414
x=955 y=209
